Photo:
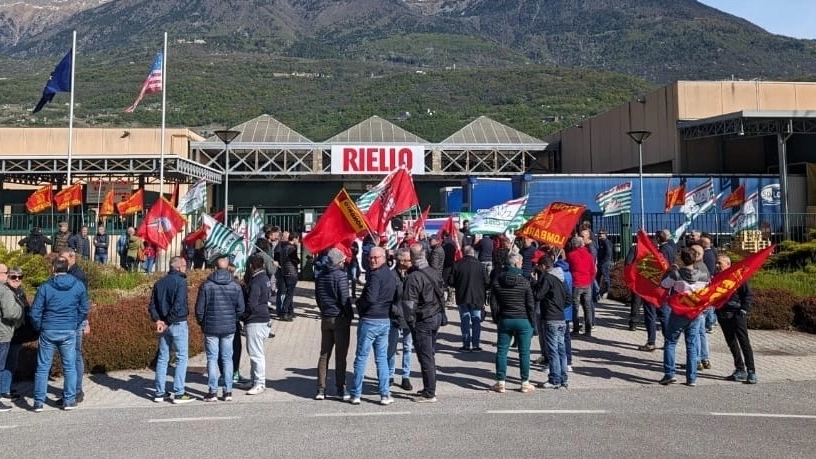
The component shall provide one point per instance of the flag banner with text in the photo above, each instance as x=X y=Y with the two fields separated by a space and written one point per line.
x=553 y=225
x=396 y=197
x=644 y=274
x=498 y=218
x=616 y=200
x=134 y=203
x=748 y=215
x=69 y=197
x=340 y=222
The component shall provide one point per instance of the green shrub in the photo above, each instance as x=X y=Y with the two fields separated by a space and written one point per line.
x=805 y=315
x=618 y=290
x=799 y=283
x=772 y=309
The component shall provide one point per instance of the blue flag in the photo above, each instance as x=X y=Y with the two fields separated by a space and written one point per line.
x=60 y=81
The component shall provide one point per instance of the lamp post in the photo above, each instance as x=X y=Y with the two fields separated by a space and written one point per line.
x=639 y=137
x=226 y=136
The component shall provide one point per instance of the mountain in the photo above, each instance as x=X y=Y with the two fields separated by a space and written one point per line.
x=659 y=40
x=23 y=19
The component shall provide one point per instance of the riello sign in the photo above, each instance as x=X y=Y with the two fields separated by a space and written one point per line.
x=376 y=159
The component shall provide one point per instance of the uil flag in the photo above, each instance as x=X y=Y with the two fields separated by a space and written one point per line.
x=194 y=199
x=131 y=205
x=60 y=81
x=153 y=83
x=39 y=200
x=616 y=200
x=161 y=224
x=69 y=197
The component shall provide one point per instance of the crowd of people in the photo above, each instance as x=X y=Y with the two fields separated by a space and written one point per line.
x=526 y=290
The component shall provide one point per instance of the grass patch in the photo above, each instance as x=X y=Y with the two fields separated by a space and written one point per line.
x=799 y=283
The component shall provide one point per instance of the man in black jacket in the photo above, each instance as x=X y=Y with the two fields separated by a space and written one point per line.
x=470 y=280
x=256 y=322
x=551 y=296
x=332 y=293
x=289 y=261
x=220 y=302
x=605 y=251
x=399 y=325
x=424 y=308
x=733 y=319
x=168 y=309
x=35 y=242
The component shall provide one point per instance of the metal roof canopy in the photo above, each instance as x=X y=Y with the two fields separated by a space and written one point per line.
x=757 y=123
x=53 y=169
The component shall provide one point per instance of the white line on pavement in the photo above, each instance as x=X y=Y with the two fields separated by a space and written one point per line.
x=767 y=415
x=341 y=415
x=204 y=418
x=8 y=427
x=546 y=412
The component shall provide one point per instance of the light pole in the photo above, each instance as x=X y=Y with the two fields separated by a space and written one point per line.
x=639 y=137
x=226 y=136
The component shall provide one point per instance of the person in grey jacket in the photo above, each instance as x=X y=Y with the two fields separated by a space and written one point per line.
x=10 y=318
x=220 y=302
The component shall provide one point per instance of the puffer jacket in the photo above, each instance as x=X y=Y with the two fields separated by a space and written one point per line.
x=219 y=304
x=332 y=293
x=511 y=297
x=60 y=304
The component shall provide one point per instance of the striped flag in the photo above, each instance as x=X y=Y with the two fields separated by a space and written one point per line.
x=194 y=199
x=153 y=83
x=616 y=200
x=217 y=236
x=255 y=225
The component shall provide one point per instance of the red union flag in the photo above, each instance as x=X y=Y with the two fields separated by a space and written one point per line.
x=735 y=199
x=450 y=230
x=396 y=197
x=675 y=197
x=161 y=224
x=724 y=284
x=553 y=225
x=644 y=274
x=339 y=224
x=69 y=197
x=377 y=159
x=39 y=200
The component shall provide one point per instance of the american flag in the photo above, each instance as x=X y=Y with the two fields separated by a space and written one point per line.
x=153 y=83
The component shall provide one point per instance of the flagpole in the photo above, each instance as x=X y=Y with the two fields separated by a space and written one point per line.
x=164 y=114
x=71 y=114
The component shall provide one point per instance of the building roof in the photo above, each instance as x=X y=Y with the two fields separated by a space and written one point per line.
x=750 y=123
x=264 y=129
x=376 y=129
x=484 y=130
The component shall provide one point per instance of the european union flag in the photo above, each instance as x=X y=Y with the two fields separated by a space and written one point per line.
x=60 y=81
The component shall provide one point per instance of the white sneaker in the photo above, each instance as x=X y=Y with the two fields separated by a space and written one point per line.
x=569 y=368
x=386 y=400
x=257 y=389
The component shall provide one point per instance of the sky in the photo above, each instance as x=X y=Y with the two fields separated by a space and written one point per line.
x=794 y=18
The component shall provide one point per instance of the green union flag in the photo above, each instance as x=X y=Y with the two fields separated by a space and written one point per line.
x=616 y=200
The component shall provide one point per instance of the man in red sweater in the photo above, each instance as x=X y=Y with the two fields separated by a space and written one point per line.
x=582 y=267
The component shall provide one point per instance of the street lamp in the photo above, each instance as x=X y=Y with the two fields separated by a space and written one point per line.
x=226 y=136
x=639 y=137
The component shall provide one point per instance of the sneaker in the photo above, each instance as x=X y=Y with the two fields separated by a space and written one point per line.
x=257 y=389
x=527 y=388
x=647 y=348
x=4 y=407
x=426 y=399
x=569 y=368
x=752 y=378
x=738 y=375
x=406 y=384
x=70 y=406
x=540 y=361
x=498 y=387
x=667 y=380
x=38 y=407
x=549 y=385
x=80 y=397
x=227 y=396
x=706 y=364
x=12 y=397
x=237 y=378
x=211 y=397
x=464 y=349
x=321 y=395
x=355 y=400
x=699 y=366
x=565 y=385
x=709 y=330
x=346 y=396
x=163 y=397
x=386 y=400
x=182 y=399
x=632 y=326
x=691 y=383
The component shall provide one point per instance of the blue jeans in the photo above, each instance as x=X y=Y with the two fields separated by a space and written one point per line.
x=394 y=335
x=568 y=343
x=147 y=265
x=522 y=330
x=50 y=340
x=710 y=318
x=372 y=333
x=213 y=346
x=470 y=316
x=652 y=317
x=286 y=295
x=7 y=371
x=175 y=335
x=101 y=258
x=604 y=276
x=557 y=351
x=701 y=332
x=690 y=329
x=80 y=356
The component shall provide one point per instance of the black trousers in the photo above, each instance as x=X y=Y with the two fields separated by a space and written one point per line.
x=424 y=334
x=735 y=329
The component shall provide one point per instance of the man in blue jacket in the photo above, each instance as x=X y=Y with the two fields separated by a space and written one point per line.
x=220 y=302
x=60 y=306
x=256 y=319
x=168 y=309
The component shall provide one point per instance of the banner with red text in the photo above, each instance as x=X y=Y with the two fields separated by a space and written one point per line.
x=553 y=225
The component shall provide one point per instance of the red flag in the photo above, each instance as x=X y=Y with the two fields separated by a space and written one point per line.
x=553 y=225
x=161 y=224
x=724 y=284
x=675 y=197
x=341 y=222
x=735 y=199
x=39 y=200
x=643 y=276
x=200 y=233
x=174 y=195
x=420 y=223
x=107 y=204
x=69 y=197
x=134 y=203
x=398 y=196
x=448 y=229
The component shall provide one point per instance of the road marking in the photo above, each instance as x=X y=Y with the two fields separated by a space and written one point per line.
x=546 y=411
x=767 y=415
x=8 y=427
x=340 y=415
x=203 y=418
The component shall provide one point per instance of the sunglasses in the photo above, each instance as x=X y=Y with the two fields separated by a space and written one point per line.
x=15 y=277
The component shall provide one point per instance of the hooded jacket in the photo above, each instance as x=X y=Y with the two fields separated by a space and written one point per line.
x=60 y=304
x=332 y=293
x=219 y=304
x=511 y=297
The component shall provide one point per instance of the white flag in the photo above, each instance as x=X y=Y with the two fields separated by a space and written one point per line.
x=194 y=199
